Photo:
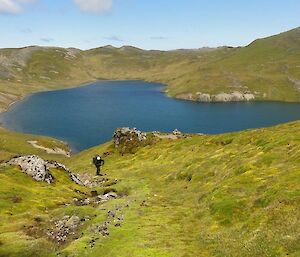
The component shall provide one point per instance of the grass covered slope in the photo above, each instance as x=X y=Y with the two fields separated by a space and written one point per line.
x=235 y=194
x=267 y=68
x=12 y=144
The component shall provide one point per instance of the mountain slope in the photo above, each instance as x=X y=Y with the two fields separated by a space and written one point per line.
x=268 y=69
x=235 y=194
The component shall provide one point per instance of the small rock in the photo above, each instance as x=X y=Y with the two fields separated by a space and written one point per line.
x=94 y=193
x=111 y=195
x=176 y=132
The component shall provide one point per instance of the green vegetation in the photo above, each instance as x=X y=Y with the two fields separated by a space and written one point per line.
x=12 y=144
x=235 y=194
x=269 y=68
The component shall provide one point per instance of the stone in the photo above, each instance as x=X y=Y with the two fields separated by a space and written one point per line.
x=123 y=135
x=73 y=222
x=111 y=214
x=33 y=166
x=249 y=97
x=38 y=168
x=102 y=198
x=75 y=178
x=203 y=97
x=94 y=193
x=57 y=165
x=223 y=97
x=237 y=96
x=110 y=195
x=176 y=132
x=103 y=229
x=63 y=228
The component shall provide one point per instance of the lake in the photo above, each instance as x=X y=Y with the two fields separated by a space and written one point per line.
x=87 y=116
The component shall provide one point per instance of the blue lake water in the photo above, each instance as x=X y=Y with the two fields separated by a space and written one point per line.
x=87 y=116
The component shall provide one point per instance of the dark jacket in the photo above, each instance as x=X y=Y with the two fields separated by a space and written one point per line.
x=98 y=163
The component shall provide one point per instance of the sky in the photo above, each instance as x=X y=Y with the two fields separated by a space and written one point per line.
x=147 y=24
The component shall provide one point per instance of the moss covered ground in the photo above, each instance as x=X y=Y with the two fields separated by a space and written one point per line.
x=235 y=194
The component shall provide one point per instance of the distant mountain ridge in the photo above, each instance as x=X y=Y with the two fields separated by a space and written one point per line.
x=266 y=69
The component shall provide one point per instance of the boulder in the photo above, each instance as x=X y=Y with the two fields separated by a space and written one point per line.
x=111 y=195
x=34 y=166
x=203 y=97
x=176 y=132
x=223 y=97
x=125 y=135
x=249 y=96
x=38 y=168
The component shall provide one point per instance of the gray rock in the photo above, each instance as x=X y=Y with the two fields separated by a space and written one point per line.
x=203 y=97
x=38 y=168
x=102 y=198
x=63 y=228
x=124 y=135
x=73 y=222
x=103 y=229
x=111 y=195
x=106 y=197
x=223 y=97
x=249 y=97
x=57 y=165
x=176 y=132
x=33 y=166
x=235 y=96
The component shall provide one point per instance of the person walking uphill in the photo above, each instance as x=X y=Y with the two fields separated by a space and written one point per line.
x=98 y=162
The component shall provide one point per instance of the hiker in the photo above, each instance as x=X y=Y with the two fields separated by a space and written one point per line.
x=98 y=162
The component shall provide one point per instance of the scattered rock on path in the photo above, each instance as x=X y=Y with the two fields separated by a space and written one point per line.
x=63 y=228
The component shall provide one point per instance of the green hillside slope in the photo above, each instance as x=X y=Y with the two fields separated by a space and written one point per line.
x=235 y=194
x=267 y=69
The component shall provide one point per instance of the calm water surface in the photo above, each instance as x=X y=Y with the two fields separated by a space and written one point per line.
x=88 y=115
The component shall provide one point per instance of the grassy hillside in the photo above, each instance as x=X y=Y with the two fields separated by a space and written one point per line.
x=268 y=68
x=235 y=194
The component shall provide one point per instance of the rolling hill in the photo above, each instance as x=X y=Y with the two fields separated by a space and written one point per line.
x=267 y=69
x=234 y=194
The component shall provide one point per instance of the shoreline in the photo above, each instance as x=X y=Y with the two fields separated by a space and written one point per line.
x=178 y=97
x=74 y=151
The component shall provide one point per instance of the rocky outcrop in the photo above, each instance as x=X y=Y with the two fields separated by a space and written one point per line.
x=235 y=96
x=204 y=97
x=33 y=166
x=123 y=136
x=56 y=165
x=38 y=168
x=106 y=197
x=225 y=97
